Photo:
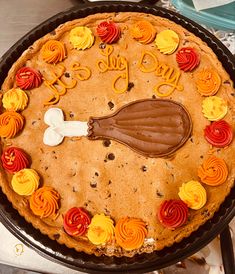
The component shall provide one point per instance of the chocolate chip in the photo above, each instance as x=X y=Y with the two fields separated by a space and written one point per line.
x=71 y=115
x=226 y=82
x=106 y=143
x=191 y=139
x=110 y=182
x=102 y=45
x=46 y=168
x=34 y=122
x=67 y=75
x=201 y=156
x=159 y=194
x=232 y=94
x=53 y=151
x=154 y=97
x=96 y=174
x=111 y=105
x=93 y=184
x=111 y=156
x=135 y=190
x=130 y=86
x=144 y=168
x=74 y=189
x=56 y=236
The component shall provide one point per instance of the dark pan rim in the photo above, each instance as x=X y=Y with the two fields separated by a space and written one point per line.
x=140 y=263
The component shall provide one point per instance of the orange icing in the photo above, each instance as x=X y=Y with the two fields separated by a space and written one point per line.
x=208 y=82
x=45 y=202
x=143 y=31
x=57 y=86
x=11 y=123
x=130 y=233
x=53 y=52
x=213 y=171
x=84 y=73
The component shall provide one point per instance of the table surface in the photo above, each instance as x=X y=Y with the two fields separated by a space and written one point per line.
x=16 y=19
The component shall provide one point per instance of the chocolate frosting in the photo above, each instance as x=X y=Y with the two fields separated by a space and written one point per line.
x=151 y=127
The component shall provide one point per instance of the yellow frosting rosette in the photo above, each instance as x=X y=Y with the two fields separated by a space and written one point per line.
x=25 y=181
x=101 y=229
x=167 y=41
x=15 y=99
x=193 y=194
x=81 y=38
x=214 y=108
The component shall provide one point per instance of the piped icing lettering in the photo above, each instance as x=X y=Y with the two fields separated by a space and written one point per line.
x=11 y=123
x=14 y=159
x=130 y=233
x=83 y=73
x=173 y=213
x=109 y=32
x=169 y=74
x=208 y=82
x=115 y=63
x=167 y=41
x=143 y=32
x=57 y=85
x=15 y=99
x=81 y=38
x=187 y=59
x=101 y=229
x=44 y=202
x=53 y=51
x=219 y=134
x=193 y=194
x=214 y=108
x=213 y=171
x=76 y=221
x=25 y=182
x=28 y=78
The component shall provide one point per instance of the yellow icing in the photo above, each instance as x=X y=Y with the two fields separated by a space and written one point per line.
x=193 y=194
x=169 y=74
x=57 y=86
x=101 y=229
x=167 y=41
x=25 y=181
x=15 y=99
x=81 y=38
x=84 y=73
x=111 y=63
x=214 y=108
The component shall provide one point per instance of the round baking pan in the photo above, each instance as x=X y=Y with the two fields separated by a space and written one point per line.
x=103 y=264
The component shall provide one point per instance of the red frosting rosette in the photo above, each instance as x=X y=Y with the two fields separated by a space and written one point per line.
x=173 y=213
x=219 y=133
x=14 y=159
x=108 y=32
x=28 y=78
x=187 y=59
x=76 y=221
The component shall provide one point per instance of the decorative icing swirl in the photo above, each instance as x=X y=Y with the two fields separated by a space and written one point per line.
x=45 y=202
x=219 y=134
x=25 y=181
x=109 y=32
x=11 y=123
x=213 y=171
x=187 y=59
x=53 y=51
x=81 y=38
x=214 y=108
x=193 y=194
x=208 y=82
x=167 y=41
x=28 y=78
x=15 y=99
x=14 y=159
x=130 y=233
x=76 y=221
x=101 y=229
x=173 y=213
x=143 y=31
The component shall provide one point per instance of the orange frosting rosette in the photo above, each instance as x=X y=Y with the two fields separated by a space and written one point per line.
x=208 y=82
x=143 y=31
x=11 y=123
x=213 y=171
x=130 y=233
x=53 y=52
x=45 y=202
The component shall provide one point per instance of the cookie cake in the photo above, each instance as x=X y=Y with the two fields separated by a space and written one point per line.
x=117 y=134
